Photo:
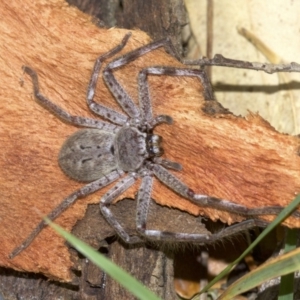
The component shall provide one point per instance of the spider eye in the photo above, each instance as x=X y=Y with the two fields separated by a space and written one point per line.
x=154 y=145
x=155 y=139
x=155 y=151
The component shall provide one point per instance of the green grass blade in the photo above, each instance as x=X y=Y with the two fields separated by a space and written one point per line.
x=281 y=216
x=281 y=265
x=286 y=289
x=285 y=268
x=125 y=279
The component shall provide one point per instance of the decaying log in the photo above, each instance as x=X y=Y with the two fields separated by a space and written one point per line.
x=243 y=160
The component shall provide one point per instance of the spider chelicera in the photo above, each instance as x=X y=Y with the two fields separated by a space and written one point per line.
x=126 y=148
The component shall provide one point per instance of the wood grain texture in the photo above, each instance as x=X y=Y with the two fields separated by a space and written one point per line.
x=243 y=160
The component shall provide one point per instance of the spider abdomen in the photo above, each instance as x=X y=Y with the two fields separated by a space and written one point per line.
x=130 y=147
x=88 y=154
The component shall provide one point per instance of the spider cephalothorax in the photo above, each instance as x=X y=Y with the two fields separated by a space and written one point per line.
x=125 y=148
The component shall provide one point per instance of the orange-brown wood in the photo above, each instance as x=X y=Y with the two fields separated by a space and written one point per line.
x=243 y=160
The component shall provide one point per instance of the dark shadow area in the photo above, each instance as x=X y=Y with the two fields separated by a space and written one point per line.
x=268 y=89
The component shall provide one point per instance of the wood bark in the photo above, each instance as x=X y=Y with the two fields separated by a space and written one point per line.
x=243 y=160
x=158 y=18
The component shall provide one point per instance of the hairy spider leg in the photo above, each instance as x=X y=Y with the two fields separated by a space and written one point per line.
x=107 y=199
x=182 y=189
x=62 y=114
x=144 y=99
x=170 y=71
x=116 y=89
x=143 y=203
x=67 y=202
x=101 y=110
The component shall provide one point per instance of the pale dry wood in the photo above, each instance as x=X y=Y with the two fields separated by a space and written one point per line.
x=242 y=160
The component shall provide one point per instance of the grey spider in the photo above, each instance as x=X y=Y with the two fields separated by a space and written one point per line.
x=106 y=151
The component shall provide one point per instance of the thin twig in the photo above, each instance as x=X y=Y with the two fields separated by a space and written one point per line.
x=209 y=32
x=221 y=61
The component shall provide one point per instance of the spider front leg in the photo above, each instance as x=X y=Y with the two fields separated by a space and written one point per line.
x=52 y=107
x=144 y=94
x=81 y=193
x=101 y=110
x=144 y=100
x=172 y=71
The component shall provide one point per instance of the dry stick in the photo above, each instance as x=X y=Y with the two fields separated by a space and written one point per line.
x=209 y=32
x=221 y=61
